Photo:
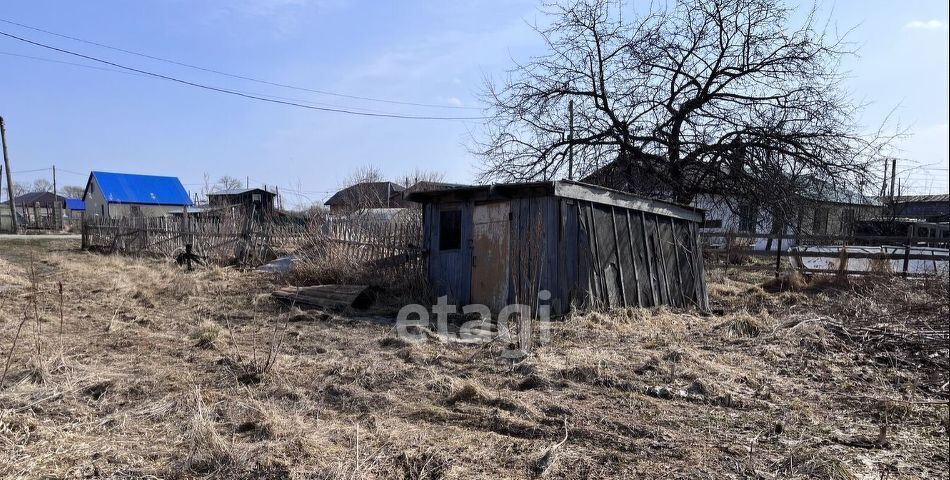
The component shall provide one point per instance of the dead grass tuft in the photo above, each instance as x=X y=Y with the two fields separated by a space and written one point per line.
x=206 y=334
x=744 y=324
x=791 y=280
x=208 y=452
x=816 y=464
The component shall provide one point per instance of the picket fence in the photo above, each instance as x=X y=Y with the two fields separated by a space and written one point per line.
x=251 y=242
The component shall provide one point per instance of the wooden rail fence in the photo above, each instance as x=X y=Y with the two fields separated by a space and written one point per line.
x=899 y=248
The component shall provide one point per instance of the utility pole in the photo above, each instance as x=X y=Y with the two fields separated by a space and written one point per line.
x=570 y=139
x=6 y=164
x=57 y=208
x=884 y=185
x=893 y=176
x=890 y=201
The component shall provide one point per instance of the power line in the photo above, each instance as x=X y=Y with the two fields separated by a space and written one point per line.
x=235 y=92
x=113 y=70
x=30 y=57
x=34 y=170
x=233 y=75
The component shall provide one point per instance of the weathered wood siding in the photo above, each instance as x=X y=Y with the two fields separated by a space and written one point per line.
x=450 y=272
x=638 y=258
x=586 y=254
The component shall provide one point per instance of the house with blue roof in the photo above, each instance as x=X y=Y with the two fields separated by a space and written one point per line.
x=125 y=195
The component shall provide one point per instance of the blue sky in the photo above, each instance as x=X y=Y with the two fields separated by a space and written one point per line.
x=433 y=52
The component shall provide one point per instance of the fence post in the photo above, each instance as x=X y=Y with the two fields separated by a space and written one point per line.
x=84 y=231
x=778 y=252
x=910 y=231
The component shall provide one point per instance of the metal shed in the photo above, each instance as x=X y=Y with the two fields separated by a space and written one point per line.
x=588 y=246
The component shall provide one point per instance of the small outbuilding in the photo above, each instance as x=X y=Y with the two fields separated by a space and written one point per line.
x=588 y=246
x=75 y=208
x=245 y=201
x=40 y=209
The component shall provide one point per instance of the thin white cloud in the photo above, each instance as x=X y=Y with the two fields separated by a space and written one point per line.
x=455 y=101
x=932 y=24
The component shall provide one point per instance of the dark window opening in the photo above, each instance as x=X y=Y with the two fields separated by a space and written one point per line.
x=450 y=230
x=820 y=224
x=748 y=218
x=712 y=223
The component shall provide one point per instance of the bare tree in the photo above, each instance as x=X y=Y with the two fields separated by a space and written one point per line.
x=418 y=175
x=228 y=182
x=72 y=191
x=42 y=185
x=364 y=174
x=722 y=96
x=19 y=188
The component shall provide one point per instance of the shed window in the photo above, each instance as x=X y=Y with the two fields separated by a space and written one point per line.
x=450 y=229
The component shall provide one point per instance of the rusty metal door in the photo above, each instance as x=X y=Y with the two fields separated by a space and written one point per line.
x=490 y=230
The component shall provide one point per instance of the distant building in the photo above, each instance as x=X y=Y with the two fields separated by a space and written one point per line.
x=39 y=209
x=125 y=195
x=825 y=209
x=931 y=208
x=74 y=209
x=367 y=195
x=245 y=201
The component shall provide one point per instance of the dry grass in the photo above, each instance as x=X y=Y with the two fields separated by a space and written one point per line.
x=781 y=384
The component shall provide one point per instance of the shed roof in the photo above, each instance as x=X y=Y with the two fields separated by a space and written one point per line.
x=368 y=194
x=561 y=188
x=240 y=191
x=45 y=199
x=922 y=198
x=75 y=204
x=142 y=189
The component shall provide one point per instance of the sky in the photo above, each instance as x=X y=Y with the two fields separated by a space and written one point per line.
x=437 y=53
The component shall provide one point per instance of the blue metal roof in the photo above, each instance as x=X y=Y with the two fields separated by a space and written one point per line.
x=145 y=189
x=75 y=204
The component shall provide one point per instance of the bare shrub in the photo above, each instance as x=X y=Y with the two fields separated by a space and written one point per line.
x=256 y=367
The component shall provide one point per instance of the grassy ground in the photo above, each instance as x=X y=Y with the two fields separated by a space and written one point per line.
x=159 y=373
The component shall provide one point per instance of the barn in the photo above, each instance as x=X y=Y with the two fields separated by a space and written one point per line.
x=588 y=246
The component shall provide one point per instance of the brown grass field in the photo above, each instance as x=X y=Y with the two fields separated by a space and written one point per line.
x=151 y=372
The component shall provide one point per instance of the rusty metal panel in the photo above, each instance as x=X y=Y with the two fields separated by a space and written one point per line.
x=490 y=254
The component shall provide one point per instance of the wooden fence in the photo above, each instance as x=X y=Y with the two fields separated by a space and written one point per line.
x=387 y=244
x=249 y=242
x=732 y=245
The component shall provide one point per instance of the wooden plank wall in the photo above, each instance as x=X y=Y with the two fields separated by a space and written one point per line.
x=636 y=258
x=586 y=254
x=450 y=272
